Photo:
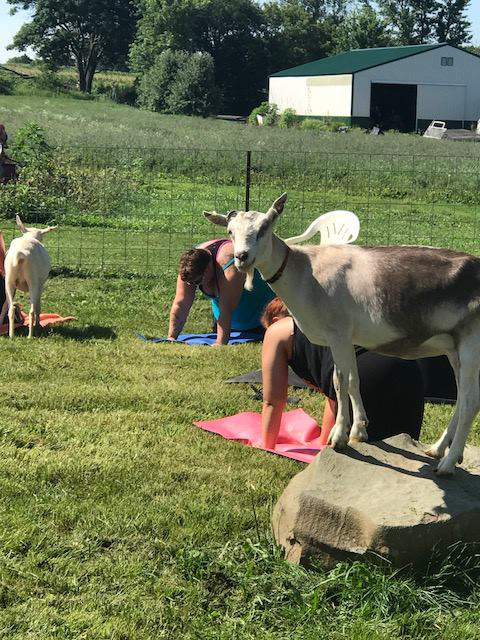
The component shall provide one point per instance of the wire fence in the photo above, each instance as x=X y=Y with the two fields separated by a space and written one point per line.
x=138 y=209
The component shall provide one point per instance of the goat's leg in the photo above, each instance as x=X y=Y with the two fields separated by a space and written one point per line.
x=3 y=312
x=10 y=293
x=346 y=383
x=36 y=308
x=34 y=315
x=468 y=401
x=31 y=316
x=358 y=432
x=438 y=448
x=338 y=437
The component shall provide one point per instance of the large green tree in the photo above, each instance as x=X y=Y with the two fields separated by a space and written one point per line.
x=229 y=30
x=452 y=24
x=411 y=21
x=423 y=21
x=88 y=32
x=299 y=31
x=363 y=28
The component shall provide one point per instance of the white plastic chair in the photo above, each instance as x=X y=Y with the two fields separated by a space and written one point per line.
x=335 y=227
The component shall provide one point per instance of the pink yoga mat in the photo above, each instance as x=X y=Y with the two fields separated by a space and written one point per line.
x=299 y=437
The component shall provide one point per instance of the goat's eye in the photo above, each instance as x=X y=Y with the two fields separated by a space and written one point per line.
x=229 y=232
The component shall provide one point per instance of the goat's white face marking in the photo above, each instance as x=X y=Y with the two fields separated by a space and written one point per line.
x=249 y=232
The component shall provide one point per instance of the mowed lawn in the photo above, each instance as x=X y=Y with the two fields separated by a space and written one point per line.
x=122 y=520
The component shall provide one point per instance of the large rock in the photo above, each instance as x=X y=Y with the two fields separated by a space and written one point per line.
x=378 y=500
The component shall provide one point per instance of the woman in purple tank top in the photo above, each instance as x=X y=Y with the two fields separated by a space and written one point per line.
x=210 y=267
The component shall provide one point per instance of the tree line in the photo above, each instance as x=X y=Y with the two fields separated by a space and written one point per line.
x=203 y=56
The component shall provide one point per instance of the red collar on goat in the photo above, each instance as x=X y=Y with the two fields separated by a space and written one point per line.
x=278 y=274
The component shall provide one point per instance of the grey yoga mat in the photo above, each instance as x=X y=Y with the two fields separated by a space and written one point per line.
x=256 y=376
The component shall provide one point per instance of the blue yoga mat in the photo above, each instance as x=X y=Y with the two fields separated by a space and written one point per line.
x=194 y=339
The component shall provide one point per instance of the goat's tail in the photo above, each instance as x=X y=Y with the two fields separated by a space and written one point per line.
x=18 y=258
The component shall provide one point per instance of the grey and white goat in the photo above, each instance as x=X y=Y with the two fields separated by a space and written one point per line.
x=27 y=266
x=405 y=301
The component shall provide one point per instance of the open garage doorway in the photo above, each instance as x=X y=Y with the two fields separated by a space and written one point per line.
x=394 y=106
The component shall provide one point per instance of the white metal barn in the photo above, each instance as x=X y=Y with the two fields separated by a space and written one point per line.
x=400 y=88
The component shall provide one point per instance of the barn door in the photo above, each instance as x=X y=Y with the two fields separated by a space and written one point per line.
x=394 y=106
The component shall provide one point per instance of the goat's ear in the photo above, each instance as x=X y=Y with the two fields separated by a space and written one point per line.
x=216 y=218
x=20 y=224
x=277 y=207
x=48 y=229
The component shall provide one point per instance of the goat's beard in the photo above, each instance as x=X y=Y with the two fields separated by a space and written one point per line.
x=249 y=279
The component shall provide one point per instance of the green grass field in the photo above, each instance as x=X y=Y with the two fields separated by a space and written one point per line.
x=106 y=124
x=122 y=520
x=124 y=169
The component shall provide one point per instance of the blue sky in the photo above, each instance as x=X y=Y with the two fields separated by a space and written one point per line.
x=9 y=25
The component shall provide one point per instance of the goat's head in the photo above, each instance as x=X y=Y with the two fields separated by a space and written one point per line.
x=36 y=233
x=251 y=234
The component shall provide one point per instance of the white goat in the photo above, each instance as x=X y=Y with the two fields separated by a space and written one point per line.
x=406 y=301
x=27 y=266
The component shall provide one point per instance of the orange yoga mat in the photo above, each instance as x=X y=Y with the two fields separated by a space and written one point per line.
x=45 y=320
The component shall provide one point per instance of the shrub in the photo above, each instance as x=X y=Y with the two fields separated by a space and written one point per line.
x=155 y=84
x=269 y=113
x=312 y=125
x=49 y=80
x=288 y=119
x=180 y=83
x=320 y=125
x=40 y=188
x=193 y=91
x=331 y=125
x=30 y=146
x=7 y=84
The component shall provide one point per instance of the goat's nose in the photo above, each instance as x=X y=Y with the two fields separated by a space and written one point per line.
x=241 y=256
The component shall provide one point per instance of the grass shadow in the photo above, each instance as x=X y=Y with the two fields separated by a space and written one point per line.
x=91 y=332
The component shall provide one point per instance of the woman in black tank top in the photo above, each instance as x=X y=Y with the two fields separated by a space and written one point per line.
x=385 y=382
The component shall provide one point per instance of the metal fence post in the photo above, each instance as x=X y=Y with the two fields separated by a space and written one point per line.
x=247 y=180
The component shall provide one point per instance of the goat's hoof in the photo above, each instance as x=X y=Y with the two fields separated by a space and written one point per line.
x=358 y=438
x=433 y=453
x=445 y=468
x=358 y=434
x=339 y=442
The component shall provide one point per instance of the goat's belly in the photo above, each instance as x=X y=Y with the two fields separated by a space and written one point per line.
x=369 y=335
x=21 y=285
x=411 y=348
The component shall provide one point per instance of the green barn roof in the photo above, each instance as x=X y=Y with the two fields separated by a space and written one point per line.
x=355 y=60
